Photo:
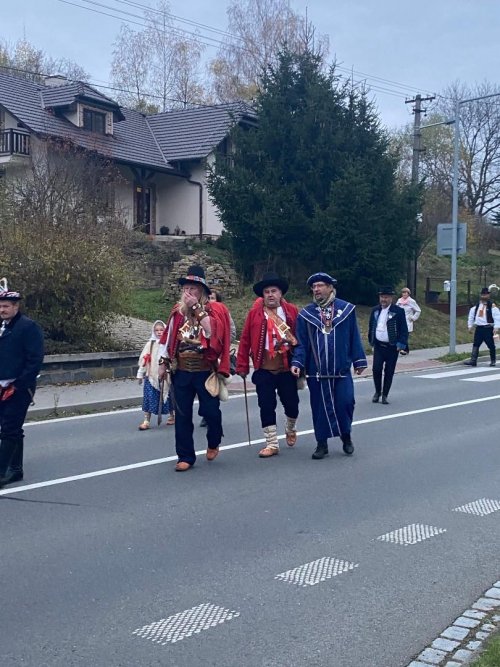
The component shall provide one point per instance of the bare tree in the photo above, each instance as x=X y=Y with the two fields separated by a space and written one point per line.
x=131 y=67
x=259 y=29
x=158 y=68
x=480 y=145
x=31 y=63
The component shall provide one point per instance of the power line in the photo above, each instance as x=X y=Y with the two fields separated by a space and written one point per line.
x=181 y=19
x=373 y=86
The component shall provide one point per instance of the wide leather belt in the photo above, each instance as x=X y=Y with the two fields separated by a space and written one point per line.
x=192 y=362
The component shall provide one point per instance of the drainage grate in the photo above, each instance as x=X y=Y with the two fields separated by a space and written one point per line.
x=415 y=532
x=481 y=507
x=186 y=623
x=316 y=571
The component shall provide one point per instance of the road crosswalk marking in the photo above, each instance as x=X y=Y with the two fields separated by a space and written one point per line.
x=185 y=624
x=412 y=534
x=458 y=373
x=483 y=378
x=318 y=570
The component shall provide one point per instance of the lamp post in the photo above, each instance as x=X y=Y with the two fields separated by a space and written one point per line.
x=454 y=218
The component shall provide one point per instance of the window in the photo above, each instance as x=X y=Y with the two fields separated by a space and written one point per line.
x=94 y=121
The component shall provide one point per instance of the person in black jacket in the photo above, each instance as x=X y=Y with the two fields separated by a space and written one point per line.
x=21 y=356
x=388 y=335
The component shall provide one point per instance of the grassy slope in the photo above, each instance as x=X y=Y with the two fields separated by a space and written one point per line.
x=491 y=655
x=431 y=330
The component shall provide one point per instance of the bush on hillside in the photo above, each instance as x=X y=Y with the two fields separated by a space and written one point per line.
x=62 y=244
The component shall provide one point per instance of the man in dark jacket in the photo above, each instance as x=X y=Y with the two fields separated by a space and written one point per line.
x=388 y=335
x=21 y=356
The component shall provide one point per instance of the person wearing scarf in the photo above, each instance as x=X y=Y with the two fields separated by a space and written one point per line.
x=329 y=345
x=194 y=345
x=411 y=308
x=268 y=338
x=147 y=373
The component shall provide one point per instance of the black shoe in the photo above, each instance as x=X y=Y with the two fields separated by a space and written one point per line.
x=384 y=400
x=347 y=445
x=375 y=397
x=470 y=362
x=13 y=476
x=493 y=363
x=203 y=423
x=321 y=450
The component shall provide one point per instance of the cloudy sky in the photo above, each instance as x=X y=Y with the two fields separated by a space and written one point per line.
x=400 y=47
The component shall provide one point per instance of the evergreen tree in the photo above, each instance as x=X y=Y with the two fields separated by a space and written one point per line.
x=312 y=186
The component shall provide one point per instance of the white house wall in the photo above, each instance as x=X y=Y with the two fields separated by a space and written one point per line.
x=124 y=195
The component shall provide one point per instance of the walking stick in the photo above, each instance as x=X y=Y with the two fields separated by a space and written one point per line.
x=160 y=405
x=246 y=410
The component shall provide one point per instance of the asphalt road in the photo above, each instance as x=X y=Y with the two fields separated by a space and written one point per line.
x=248 y=562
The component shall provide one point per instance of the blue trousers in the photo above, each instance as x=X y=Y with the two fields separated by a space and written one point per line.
x=332 y=406
x=186 y=386
x=267 y=385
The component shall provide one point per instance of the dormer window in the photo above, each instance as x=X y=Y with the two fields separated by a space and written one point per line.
x=94 y=121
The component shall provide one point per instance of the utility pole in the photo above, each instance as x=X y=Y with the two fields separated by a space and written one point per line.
x=411 y=276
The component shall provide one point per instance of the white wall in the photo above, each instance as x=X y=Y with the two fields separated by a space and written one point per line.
x=124 y=195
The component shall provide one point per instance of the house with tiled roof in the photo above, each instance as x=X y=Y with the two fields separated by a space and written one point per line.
x=162 y=158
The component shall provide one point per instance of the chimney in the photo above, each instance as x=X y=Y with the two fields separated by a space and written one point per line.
x=55 y=81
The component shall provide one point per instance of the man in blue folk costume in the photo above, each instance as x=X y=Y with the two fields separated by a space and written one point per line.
x=329 y=343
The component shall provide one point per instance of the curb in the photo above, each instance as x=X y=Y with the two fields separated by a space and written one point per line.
x=455 y=645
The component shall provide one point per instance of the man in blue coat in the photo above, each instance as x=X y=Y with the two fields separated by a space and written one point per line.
x=388 y=335
x=21 y=356
x=329 y=344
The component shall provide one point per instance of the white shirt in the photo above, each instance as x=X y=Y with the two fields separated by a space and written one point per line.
x=381 y=330
x=480 y=320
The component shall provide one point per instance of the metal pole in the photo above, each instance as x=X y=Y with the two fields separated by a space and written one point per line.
x=454 y=233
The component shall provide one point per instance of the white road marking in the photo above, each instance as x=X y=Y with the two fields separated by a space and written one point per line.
x=412 y=534
x=185 y=624
x=483 y=378
x=318 y=570
x=481 y=507
x=106 y=413
x=143 y=464
x=457 y=373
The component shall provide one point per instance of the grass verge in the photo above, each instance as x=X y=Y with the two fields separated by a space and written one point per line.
x=431 y=330
x=490 y=657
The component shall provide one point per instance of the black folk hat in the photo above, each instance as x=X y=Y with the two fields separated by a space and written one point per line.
x=7 y=294
x=270 y=279
x=386 y=289
x=195 y=276
x=485 y=291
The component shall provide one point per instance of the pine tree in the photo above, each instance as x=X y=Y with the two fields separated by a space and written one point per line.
x=312 y=186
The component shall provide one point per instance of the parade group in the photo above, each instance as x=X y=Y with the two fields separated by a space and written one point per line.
x=190 y=356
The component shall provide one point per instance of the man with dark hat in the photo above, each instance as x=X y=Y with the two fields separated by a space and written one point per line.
x=21 y=356
x=484 y=318
x=268 y=338
x=388 y=336
x=195 y=344
x=329 y=344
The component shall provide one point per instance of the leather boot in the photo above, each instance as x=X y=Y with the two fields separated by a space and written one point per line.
x=7 y=448
x=321 y=450
x=347 y=445
x=473 y=357
x=15 y=470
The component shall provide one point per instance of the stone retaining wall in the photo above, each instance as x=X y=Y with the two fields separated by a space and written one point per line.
x=64 y=368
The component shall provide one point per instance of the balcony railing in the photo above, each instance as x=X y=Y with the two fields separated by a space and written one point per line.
x=13 y=142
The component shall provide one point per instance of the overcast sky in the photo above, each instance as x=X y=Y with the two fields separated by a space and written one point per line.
x=411 y=46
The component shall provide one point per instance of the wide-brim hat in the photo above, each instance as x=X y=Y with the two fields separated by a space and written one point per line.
x=270 y=279
x=386 y=289
x=485 y=290
x=321 y=277
x=195 y=276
